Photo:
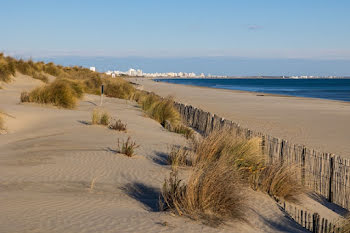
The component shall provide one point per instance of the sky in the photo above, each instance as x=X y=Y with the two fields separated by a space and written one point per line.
x=276 y=33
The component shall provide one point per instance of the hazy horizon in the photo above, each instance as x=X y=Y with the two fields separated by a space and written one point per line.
x=230 y=66
x=221 y=37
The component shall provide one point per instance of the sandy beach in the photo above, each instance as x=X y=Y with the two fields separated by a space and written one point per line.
x=320 y=124
x=60 y=174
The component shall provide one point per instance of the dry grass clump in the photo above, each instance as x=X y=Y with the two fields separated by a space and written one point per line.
x=180 y=156
x=184 y=130
x=119 y=88
x=278 y=181
x=7 y=68
x=100 y=117
x=246 y=155
x=61 y=93
x=40 y=76
x=118 y=125
x=105 y=119
x=93 y=85
x=127 y=148
x=212 y=194
x=52 y=69
x=160 y=109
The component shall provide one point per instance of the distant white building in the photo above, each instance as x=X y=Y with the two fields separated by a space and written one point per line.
x=92 y=68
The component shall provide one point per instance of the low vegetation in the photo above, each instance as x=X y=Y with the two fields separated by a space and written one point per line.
x=213 y=194
x=7 y=68
x=127 y=148
x=221 y=163
x=179 y=157
x=61 y=93
x=118 y=125
x=278 y=181
x=119 y=88
x=40 y=76
x=100 y=117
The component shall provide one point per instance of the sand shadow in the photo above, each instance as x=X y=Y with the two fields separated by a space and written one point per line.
x=147 y=195
x=283 y=224
x=84 y=122
x=323 y=201
x=161 y=158
x=90 y=102
x=109 y=149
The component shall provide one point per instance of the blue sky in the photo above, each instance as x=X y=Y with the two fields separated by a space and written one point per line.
x=250 y=29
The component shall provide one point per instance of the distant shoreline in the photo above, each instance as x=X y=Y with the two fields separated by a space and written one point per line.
x=262 y=92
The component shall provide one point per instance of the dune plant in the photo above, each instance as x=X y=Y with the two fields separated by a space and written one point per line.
x=184 y=130
x=118 y=125
x=127 y=148
x=104 y=118
x=180 y=156
x=119 y=88
x=7 y=69
x=59 y=93
x=40 y=76
x=95 y=118
x=100 y=117
x=278 y=181
x=213 y=194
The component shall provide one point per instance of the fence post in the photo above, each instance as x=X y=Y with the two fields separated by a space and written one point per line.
x=330 y=190
x=315 y=223
x=303 y=165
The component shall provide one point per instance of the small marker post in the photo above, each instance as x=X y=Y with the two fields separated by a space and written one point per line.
x=102 y=90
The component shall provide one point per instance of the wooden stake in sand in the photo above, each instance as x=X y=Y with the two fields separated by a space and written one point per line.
x=102 y=90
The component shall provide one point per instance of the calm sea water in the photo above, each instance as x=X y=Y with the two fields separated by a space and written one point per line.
x=335 y=89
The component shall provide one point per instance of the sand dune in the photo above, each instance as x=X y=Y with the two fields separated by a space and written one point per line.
x=60 y=174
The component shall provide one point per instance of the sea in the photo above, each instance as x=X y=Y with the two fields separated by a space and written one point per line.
x=333 y=89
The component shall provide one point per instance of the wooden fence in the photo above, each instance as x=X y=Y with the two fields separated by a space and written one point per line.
x=311 y=221
x=327 y=174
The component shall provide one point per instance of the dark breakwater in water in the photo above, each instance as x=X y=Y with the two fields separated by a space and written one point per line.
x=334 y=89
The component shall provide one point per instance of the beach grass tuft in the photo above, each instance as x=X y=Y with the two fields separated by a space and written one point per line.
x=100 y=117
x=213 y=194
x=40 y=76
x=61 y=93
x=278 y=181
x=105 y=118
x=180 y=156
x=119 y=88
x=127 y=147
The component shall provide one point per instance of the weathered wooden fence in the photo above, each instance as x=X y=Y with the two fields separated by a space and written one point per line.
x=311 y=221
x=327 y=174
